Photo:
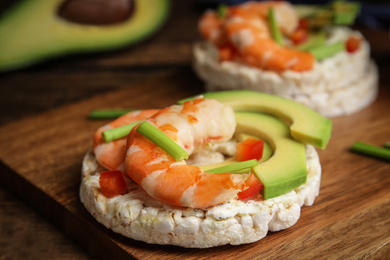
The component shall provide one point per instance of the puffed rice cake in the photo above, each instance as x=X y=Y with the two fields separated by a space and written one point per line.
x=339 y=85
x=138 y=216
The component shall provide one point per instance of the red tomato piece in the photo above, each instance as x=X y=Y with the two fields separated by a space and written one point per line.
x=253 y=185
x=304 y=24
x=299 y=36
x=226 y=53
x=352 y=44
x=112 y=183
x=249 y=149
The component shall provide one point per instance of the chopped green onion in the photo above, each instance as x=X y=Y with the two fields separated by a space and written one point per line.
x=371 y=150
x=162 y=140
x=387 y=145
x=344 y=18
x=324 y=51
x=222 y=10
x=108 y=113
x=119 y=132
x=277 y=35
x=335 y=12
x=319 y=10
x=315 y=39
x=345 y=13
x=235 y=167
x=215 y=165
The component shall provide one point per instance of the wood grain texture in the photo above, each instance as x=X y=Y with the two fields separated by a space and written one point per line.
x=64 y=80
x=27 y=208
x=348 y=219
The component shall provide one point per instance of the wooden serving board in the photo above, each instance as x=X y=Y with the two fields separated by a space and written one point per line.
x=41 y=160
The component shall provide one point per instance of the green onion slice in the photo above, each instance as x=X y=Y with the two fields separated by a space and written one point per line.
x=162 y=140
x=277 y=35
x=345 y=13
x=335 y=12
x=222 y=11
x=119 y=132
x=108 y=113
x=324 y=51
x=235 y=167
x=387 y=145
x=371 y=150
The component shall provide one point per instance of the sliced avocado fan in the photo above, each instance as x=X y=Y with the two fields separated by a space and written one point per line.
x=306 y=125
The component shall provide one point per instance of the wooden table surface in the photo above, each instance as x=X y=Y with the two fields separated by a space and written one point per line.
x=25 y=233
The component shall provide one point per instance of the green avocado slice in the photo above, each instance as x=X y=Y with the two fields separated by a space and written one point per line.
x=306 y=125
x=286 y=169
x=32 y=31
x=284 y=166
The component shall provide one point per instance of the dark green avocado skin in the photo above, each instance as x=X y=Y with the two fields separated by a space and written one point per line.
x=32 y=31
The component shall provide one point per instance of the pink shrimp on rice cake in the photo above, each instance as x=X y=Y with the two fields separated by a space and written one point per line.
x=238 y=51
x=171 y=202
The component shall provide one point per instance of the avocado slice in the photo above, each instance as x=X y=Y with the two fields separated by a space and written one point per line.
x=283 y=166
x=306 y=125
x=33 y=31
x=286 y=169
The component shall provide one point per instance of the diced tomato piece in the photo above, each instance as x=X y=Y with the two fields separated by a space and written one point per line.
x=250 y=148
x=299 y=36
x=112 y=183
x=304 y=24
x=253 y=185
x=352 y=44
x=226 y=53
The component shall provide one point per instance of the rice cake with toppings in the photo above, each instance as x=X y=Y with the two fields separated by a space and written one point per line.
x=138 y=216
x=339 y=85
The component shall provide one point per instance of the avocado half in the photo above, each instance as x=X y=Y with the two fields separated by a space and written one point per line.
x=33 y=31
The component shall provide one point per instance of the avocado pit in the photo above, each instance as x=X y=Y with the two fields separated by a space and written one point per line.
x=96 y=12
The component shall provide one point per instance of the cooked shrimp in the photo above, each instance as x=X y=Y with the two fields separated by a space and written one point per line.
x=211 y=28
x=112 y=155
x=192 y=125
x=258 y=49
x=246 y=29
x=286 y=17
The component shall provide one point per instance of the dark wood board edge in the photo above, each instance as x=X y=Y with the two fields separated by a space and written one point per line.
x=70 y=216
x=61 y=216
